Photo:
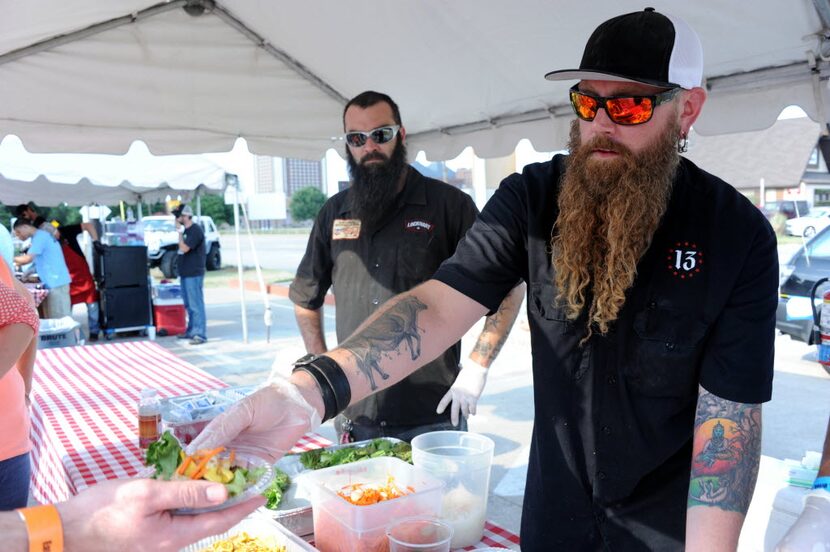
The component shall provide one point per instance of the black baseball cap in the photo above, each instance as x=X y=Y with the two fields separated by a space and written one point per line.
x=646 y=47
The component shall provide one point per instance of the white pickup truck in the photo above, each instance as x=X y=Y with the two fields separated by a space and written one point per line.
x=162 y=242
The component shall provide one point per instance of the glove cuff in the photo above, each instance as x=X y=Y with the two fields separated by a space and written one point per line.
x=290 y=390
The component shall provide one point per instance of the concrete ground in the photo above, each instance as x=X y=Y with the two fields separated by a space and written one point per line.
x=794 y=421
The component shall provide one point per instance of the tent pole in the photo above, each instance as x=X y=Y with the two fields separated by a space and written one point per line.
x=239 y=265
x=262 y=288
x=198 y=204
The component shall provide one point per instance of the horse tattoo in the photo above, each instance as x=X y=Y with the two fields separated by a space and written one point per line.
x=397 y=325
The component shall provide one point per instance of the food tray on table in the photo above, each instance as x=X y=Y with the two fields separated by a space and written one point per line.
x=268 y=531
x=187 y=415
x=294 y=510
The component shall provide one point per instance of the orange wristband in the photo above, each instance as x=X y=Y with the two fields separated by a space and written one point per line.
x=43 y=523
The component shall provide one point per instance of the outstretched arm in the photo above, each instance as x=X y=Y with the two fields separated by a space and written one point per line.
x=725 y=459
x=310 y=322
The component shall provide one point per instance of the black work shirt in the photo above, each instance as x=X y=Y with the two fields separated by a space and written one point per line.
x=611 y=450
x=365 y=269
x=192 y=263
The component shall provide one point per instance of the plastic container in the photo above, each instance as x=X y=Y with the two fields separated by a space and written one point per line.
x=342 y=526
x=166 y=292
x=58 y=332
x=149 y=418
x=187 y=415
x=270 y=532
x=419 y=534
x=257 y=487
x=462 y=461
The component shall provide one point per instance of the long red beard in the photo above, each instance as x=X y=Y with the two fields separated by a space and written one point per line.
x=608 y=213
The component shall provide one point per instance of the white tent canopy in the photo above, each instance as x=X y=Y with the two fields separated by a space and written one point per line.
x=92 y=76
x=80 y=179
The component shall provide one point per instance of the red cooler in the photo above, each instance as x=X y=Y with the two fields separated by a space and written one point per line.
x=170 y=317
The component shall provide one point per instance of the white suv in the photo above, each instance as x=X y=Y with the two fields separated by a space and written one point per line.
x=162 y=242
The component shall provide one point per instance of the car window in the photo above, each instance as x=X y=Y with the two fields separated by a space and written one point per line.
x=820 y=246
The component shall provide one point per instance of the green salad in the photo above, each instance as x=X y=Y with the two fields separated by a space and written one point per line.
x=324 y=458
x=171 y=463
x=276 y=489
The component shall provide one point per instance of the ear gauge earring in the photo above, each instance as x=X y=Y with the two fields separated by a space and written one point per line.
x=683 y=143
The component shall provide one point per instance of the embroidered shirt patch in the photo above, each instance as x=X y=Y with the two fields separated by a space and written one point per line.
x=684 y=260
x=417 y=225
x=345 y=229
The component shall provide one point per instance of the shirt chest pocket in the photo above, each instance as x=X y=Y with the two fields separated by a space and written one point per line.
x=418 y=257
x=666 y=352
x=548 y=310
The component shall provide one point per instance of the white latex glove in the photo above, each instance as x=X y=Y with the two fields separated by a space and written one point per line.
x=811 y=531
x=267 y=423
x=465 y=391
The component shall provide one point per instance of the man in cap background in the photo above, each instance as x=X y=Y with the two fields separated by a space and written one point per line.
x=652 y=296
x=191 y=265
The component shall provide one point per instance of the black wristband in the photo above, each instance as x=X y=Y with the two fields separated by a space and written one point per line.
x=329 y=403
x=332 y=381
x=337 y=380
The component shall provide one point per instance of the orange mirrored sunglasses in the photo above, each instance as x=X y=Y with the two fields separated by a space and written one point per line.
x=623 y=110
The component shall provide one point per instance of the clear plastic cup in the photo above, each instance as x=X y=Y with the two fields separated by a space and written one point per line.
x=462 y=461
x=419 y=534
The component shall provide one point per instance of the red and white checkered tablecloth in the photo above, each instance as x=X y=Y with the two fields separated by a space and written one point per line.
x=496 y=537
x=84 y=412
x=38 y=293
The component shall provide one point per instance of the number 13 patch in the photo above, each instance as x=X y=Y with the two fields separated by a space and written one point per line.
x=684 y=260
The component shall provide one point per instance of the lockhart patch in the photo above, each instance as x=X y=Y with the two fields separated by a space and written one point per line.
x=684 y=260
x=418 y=225
x=345 y=229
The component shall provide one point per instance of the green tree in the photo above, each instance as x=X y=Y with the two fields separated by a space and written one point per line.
x=306 y=203
x=213 y=205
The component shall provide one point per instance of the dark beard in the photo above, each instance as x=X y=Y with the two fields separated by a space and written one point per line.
x=608 y=214
x=375 y=186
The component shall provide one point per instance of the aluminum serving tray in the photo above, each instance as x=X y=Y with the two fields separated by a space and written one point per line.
x=294 y=512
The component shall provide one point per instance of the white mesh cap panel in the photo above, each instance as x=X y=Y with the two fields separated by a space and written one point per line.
x=686 y=63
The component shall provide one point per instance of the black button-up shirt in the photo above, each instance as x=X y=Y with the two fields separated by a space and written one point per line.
x=366 y=269
x=611 y=450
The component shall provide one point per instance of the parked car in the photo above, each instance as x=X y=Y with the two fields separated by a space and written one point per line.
x=797 y=277
x=789 y=208
x=817 y=219
x=162 y=242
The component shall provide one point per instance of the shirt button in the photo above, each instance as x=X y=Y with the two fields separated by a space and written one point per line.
x=377 y=265
x=601 y=475
x=606 y=430
x=669 y=346
x=375 y=301
x=612 y=380
x=652 y=305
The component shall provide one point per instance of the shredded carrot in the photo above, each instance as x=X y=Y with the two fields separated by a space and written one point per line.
x=232 y=457
x=206 y=455
x=183 y=465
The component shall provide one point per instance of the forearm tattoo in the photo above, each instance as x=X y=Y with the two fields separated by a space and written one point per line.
x=727 y=448
x=385 y=335
x=492 y=337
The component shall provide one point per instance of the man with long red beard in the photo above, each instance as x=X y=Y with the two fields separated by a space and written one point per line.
x=387 y=233
x=652 y=295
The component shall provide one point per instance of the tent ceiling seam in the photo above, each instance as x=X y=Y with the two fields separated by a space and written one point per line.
x=279 y=54
x=95 y=28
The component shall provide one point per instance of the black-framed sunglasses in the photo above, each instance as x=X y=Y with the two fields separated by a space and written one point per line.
x=623 y=110
x=379 y=135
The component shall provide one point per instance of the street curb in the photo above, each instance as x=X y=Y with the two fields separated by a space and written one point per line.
x=280 y=290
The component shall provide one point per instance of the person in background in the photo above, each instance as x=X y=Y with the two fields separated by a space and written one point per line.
x=45 y=252
x=191 y=264
x=652 y=287
x=25 y=210
x=811 y=531
x=126 y=514
x=18 y=347
x=385 y=234
x=7 y=247
x=82 y=287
